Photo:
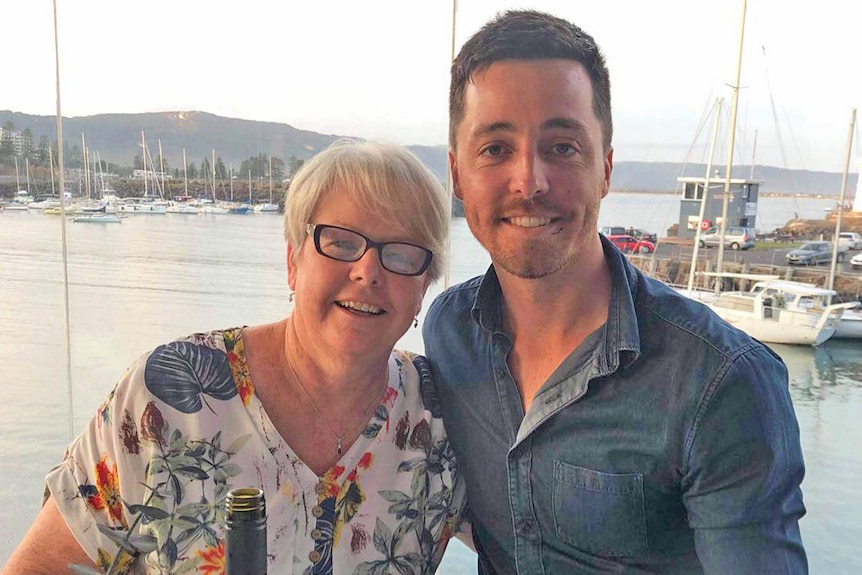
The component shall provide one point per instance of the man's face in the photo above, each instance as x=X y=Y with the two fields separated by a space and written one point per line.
x=529 y=164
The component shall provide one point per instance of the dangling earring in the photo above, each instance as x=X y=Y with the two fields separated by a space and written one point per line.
x=290 y=297
x=416 y=321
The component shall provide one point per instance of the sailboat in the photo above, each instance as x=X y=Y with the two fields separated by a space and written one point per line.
x=22 y=197
x=773 y=311
x=850 y=326
x=270 y=207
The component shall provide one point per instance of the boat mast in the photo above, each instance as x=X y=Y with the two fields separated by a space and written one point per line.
x=448 y=169
x=841 y=202
x=161 y=167
x=144 y=161
x=213 y=170
x=17 y=178
x=85 y=165
x=185 y=176
x=27 y=163
x=731 y=140
x=705 y=197
x=230 y=178
x=68 y=337
x=51 y=166
x=270 y=179
x=753 y=154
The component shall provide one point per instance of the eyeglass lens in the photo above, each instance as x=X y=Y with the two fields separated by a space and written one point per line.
x=349 y=246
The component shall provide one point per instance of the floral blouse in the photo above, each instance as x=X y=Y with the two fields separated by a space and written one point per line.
x=184 y=426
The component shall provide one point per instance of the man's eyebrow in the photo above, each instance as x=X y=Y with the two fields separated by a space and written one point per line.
x=561 y=122
x=493 y=127
x=565 y=123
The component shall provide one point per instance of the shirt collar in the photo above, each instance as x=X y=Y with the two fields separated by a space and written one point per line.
x=621 y=342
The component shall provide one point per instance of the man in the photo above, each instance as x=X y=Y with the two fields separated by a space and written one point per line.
x=603 y=423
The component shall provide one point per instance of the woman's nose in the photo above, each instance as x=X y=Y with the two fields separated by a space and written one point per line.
x=367 y=268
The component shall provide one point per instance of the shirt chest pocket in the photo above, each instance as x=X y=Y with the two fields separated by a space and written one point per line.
x=601 y=513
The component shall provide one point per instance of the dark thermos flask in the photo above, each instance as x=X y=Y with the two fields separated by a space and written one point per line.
x=245 y=532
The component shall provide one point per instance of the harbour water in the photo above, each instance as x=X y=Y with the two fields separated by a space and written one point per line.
x=151 y=279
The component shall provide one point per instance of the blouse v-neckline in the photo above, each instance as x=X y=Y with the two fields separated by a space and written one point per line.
x=276 y=442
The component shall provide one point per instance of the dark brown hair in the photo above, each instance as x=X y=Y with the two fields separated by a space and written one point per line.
x=530 y=35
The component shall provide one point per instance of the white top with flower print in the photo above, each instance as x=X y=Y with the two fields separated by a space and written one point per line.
x=184 y=426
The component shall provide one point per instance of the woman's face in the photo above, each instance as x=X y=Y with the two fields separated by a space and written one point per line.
x=354 y=308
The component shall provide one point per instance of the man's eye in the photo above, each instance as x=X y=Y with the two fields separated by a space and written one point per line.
x=563 y=148
x=493 y=150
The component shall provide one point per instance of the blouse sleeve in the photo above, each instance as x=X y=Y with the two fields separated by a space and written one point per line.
x=101 y=473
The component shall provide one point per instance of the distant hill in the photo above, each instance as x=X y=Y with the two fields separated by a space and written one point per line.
x=117 y=138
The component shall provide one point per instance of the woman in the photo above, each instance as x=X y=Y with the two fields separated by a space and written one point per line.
x=316 y=409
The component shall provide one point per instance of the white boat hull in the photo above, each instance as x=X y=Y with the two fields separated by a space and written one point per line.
x=850 y=326
x=780 y=312
x=97 y=219
x=142 y=209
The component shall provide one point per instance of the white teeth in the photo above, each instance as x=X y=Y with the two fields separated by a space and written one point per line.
x=360 y=306
x=529 y=221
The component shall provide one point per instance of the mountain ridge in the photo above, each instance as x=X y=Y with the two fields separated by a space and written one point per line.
x=117 y=138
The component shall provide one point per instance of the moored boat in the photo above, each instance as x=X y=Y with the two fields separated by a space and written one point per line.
x=96 y=218
x=779 y=311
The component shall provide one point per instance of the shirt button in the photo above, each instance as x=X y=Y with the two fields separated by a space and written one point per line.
x=320 y=488
x=316 y=534
x=314 y=556
x=317 y=511
x=526 y=527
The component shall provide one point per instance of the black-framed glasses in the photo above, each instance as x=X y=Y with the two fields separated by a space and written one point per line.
x=347 y=245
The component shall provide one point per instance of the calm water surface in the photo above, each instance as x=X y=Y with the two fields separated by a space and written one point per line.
x=154 y=278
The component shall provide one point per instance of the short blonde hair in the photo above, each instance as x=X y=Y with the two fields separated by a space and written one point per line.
x=384 y=179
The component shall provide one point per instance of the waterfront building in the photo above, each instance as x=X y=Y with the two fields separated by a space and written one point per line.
x=741 y=207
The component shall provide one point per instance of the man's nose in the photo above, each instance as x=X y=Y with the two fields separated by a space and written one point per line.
x=530 y=178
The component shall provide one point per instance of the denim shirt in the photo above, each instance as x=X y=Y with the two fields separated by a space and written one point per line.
x=666 y=443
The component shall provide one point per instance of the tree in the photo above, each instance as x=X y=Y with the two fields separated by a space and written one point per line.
x=161 y=164
x=27 y=143
x=75 y=157
x=7 y=142
x=43 y=151
x=277 y=169
x=192 y=170
x=221 y=172
x=295 y=165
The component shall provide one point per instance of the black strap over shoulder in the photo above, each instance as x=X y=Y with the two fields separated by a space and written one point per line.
x=427 y=389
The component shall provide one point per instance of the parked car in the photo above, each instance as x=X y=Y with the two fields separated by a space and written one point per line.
x=813 y=253
x=852 y=240
x=642 y=235
x=631 y=245
x=735 y=238
x=856 y=262
x=613 y=230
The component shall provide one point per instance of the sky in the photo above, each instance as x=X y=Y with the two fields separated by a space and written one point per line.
x=379 y=69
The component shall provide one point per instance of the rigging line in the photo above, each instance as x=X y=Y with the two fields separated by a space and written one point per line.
x=781 y=149
x=68 y=336
x=705 y=114
x=449 y=190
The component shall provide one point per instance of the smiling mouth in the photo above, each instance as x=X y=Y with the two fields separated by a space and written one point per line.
x=528 y=221
x=359 y=307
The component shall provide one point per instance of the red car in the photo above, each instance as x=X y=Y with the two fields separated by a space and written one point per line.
x=632 y=245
